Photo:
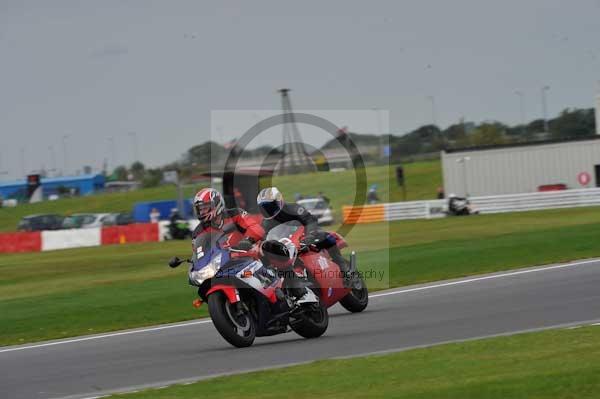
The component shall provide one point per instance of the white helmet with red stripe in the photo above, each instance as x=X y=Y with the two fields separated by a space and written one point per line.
x=209 y=206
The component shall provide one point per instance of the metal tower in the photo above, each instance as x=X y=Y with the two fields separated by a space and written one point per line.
x=295 y=157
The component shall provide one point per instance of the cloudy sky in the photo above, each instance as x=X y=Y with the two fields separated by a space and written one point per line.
x=93 y=70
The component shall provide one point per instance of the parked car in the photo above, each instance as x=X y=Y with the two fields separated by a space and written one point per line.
x=118 y=219
x=40 y=222
x=319 y=208
x=83 y=220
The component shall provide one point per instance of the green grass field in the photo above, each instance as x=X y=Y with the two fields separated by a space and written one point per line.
x=81 y=291
x=422 y=179
x=550 y=364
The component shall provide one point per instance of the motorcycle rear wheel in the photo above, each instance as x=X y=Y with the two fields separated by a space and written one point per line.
x=356 y=300
x=238 y=330
x=313 y=323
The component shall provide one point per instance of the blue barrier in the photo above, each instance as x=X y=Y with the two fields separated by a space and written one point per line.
x=141 y=210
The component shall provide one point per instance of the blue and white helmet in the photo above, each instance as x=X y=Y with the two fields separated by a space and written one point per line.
x=270 y=202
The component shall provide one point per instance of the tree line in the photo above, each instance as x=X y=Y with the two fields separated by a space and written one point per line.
x=570 y=123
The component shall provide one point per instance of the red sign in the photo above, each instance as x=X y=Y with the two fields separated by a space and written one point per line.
x=584 y=178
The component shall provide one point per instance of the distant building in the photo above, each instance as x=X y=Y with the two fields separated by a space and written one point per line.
x=74 y=185
x=522 y=168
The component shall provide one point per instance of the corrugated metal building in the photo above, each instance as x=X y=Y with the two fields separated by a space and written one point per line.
x=521 y=168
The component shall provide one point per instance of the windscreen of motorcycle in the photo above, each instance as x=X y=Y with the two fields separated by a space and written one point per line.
x=205 y=242
x=284 y=230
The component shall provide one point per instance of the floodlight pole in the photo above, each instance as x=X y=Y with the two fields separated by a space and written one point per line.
x=134 y=142
x=522 y=109
x=64 y=145
x=545 y=108
x=433 y=113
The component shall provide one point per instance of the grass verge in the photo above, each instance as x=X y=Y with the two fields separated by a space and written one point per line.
x=549 y=364
x=81 y=291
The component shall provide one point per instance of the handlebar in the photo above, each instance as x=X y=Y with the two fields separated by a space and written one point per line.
x=175 y=262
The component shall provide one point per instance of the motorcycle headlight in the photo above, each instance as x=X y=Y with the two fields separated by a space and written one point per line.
x=208 y=271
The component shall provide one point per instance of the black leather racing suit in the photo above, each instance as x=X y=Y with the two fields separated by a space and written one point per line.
x=294 y=212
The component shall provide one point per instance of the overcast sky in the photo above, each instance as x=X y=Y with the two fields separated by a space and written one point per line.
x=98 y=69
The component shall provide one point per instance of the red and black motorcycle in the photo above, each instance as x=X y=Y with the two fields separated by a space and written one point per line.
x=324 y=276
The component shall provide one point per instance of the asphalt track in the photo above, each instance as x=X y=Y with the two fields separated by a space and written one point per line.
x=496 y=304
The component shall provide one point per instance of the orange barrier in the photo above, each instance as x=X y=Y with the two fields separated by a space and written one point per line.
x=363 y=214
x=20 y=242
x=145 y=232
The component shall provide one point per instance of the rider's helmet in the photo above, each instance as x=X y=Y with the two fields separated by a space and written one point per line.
x=209 y=207
x=281 y=254
x=270 y=202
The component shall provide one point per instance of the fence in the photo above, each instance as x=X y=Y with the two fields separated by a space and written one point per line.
x=489 y=204
x=77 y=238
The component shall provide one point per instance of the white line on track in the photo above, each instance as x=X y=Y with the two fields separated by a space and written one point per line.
x=493 y=276
x=402 y=291
x=70 y=341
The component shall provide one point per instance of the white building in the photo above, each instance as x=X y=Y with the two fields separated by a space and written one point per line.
x=522 y=168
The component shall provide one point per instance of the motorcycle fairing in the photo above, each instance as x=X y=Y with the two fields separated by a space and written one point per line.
x=230 y=292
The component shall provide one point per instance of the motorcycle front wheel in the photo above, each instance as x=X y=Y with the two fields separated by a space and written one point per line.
x=312 y=322
x=236 y=327
x=357 y=299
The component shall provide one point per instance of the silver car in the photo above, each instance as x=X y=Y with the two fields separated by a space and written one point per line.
x=319 y=208
x=83 y=220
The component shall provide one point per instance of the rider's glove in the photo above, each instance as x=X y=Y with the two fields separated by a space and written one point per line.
x=246 y=244
x=311 y=240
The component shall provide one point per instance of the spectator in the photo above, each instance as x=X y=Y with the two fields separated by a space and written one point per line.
x=372 y=197
x=400 y=175
x=440 y=193
x=240 y=202
x=154 y=215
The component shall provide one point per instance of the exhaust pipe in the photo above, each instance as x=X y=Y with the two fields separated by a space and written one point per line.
x=353 y=261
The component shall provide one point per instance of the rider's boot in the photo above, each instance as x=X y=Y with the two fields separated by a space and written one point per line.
x=293 y=284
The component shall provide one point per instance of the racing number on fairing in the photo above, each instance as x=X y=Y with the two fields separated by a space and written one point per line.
x=323 y=263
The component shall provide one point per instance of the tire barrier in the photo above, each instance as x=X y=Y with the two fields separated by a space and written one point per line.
x=77 y=238
x=363 y=214
x=20 y=242
x=72 y=238
x=141 y=232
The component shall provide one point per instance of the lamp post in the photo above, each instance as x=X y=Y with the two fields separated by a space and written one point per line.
x=433 y=113
x=545 y=90
x=113 y=151
x=464 y=161
x=65 y=157
x=379 y=129
x=52 y=159
x=23 y=161
x=134 y=143
x=521 y=109
x=2 y=172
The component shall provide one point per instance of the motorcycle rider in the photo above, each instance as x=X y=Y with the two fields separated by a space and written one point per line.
x=209 y=207
x=460 y=206
x=177 y=228
x=276 y=211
